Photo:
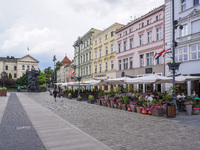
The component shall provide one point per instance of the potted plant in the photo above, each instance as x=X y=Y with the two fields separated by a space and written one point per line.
x=195 y=111
x=79 y=98
x=133 y=106
x=173 y=66
x=119 y=101
x=115 y=104
x=189 y=107
x=90 y=99
x=157 y=110
x=112 y=99
x=98 y=101
x=4 y=91
x=1 y=91
x=69 y=95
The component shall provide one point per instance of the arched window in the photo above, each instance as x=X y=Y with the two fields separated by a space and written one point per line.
x=23 y=67
x=28 y=67
x=15 y=67
x=183 y=5
x=6 y=67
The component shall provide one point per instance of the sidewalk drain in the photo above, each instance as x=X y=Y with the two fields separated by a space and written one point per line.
x=23 y=127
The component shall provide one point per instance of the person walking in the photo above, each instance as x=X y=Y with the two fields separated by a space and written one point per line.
x=55 y=92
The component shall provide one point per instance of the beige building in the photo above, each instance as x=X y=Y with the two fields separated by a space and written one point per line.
x=17 y=66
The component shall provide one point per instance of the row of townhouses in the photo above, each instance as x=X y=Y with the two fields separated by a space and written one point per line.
x=128 y=50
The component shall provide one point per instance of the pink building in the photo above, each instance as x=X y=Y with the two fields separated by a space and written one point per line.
x=137 y=42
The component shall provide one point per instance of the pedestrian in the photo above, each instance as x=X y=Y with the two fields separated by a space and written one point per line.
x=55 y=92
x=197 y=98
x=193 y=94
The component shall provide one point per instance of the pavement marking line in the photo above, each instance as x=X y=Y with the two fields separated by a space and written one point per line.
x=55 y=132
x=3 y=104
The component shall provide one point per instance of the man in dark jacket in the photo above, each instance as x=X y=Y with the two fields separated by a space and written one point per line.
x=55 y=92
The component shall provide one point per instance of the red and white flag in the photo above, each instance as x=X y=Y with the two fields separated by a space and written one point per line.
x=73 y=74
x=156 y=56
x=167 y=51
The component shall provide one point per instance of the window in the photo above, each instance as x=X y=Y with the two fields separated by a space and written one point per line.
x=86 y=56
x=125 y=63
x=90 y=56
x=106 y=36
x=106 y=66
x=141 y=60
x=195 y=26
x=130 y=30
x=6 y=67
x=149 y=37
x=100 y=52
x=84 y=71
x=159 y=60
x=131 y=62
x=131 y=43
x=95 y=42
x=149 y=59
x=28 y=67
x=125 y=44
x=83 y=58
x=81 y=71
x=181 y=54
x=112 y=33
x=106 y=50
x=143 y=24
x=15 y=75
x=184 y=31
x=95 y=69
x=183 y=5
x=147 y=22
x=95 y=56
x=100 y=40
x=120 y=64
x=15 y=67
x=159 y=33
x=112 y=64
x=112 y=48
x=87 y=70
x=157 y=18
x=119 y=47
x=196 y=2
x=195 y=51
x=90 y=69
x=141 y=39
x=100 y=68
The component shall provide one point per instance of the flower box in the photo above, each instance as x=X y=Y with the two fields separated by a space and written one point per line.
x=124 y=107
x=157 y=112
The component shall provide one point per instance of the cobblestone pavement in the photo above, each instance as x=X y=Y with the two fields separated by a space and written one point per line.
x=16 y=130
x=122 y=130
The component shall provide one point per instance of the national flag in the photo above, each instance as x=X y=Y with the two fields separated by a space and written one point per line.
x=73 y=74
x=156 y=56
x=161 y=52
x=167 y=51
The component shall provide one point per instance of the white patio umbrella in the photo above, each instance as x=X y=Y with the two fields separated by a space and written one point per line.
x=182 y=79
x=153 y=78
x=92 y=82
x=116 y=81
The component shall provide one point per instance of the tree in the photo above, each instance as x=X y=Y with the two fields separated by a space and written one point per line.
x=10 y=76
x=58 y=65
x=48 y=73
x=23 y=80
x=42 y=77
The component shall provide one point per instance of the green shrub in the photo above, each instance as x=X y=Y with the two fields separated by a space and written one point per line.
x=91 y=97
x=4 y=88
x=43 y=87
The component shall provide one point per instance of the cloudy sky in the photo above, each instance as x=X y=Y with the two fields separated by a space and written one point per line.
x=50 y=27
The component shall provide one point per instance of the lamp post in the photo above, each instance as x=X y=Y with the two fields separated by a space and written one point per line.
x=78 y=43
x=54 y=59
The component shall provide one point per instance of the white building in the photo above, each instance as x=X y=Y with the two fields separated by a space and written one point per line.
x=187 y=13
x=17 y=66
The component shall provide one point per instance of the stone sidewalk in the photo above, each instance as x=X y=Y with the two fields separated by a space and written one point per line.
x=54 y=132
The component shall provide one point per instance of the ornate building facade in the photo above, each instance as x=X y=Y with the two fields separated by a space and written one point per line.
x=17 y=66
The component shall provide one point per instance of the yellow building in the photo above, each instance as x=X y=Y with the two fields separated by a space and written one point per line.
x=104 y=54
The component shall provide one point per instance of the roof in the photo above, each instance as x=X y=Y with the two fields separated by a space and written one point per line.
x=9 y=59
x=66 y=60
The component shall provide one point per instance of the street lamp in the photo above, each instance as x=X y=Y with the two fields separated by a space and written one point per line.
x=175 y=25
x=78 y=44
x=54 y=59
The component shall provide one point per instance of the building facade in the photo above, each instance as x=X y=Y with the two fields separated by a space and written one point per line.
x=85 y=55
x=137 y=42
x=17 y=66
x=104 y=54
x=187 y=13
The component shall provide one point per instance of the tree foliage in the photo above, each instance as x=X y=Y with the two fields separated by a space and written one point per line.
x=23 y=80
x=42 y=78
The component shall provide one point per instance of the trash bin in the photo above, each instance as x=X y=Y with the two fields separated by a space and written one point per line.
x=171 y=111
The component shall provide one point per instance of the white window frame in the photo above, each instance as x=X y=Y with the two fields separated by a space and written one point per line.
x=112 y=48
x=119 y=48
x=150 y=61
x=141 y=36
x=130 y=62
x=95 y=69
x=184 y=31
x=159 y=33
x=100 y=52
x=183 y=5
x=195 y=51
x=131 y=43
x=125 y=45
x=142 y=60
x=125 y=62
x=150 y=39
x=106 y=50
x=112 y=64
x=120 y=64
x=106 y=66
x=100 y=68
x=95 y=54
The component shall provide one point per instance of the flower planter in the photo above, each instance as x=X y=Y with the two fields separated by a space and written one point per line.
x=173 y=66
x=144 y=111
x=115 y=106
x=98 y=102
x=1 y=92
x=90 y=101
x=108 y=104
x=195 y=112
x=157 y=112
x=4 y=92
x=133 y=108
x=112 y=103
x=129 y=109
x=165 y=109
x=149 y=112
x=124 y=107
x=189 y=110
x=138 y=109
x=119 y=105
